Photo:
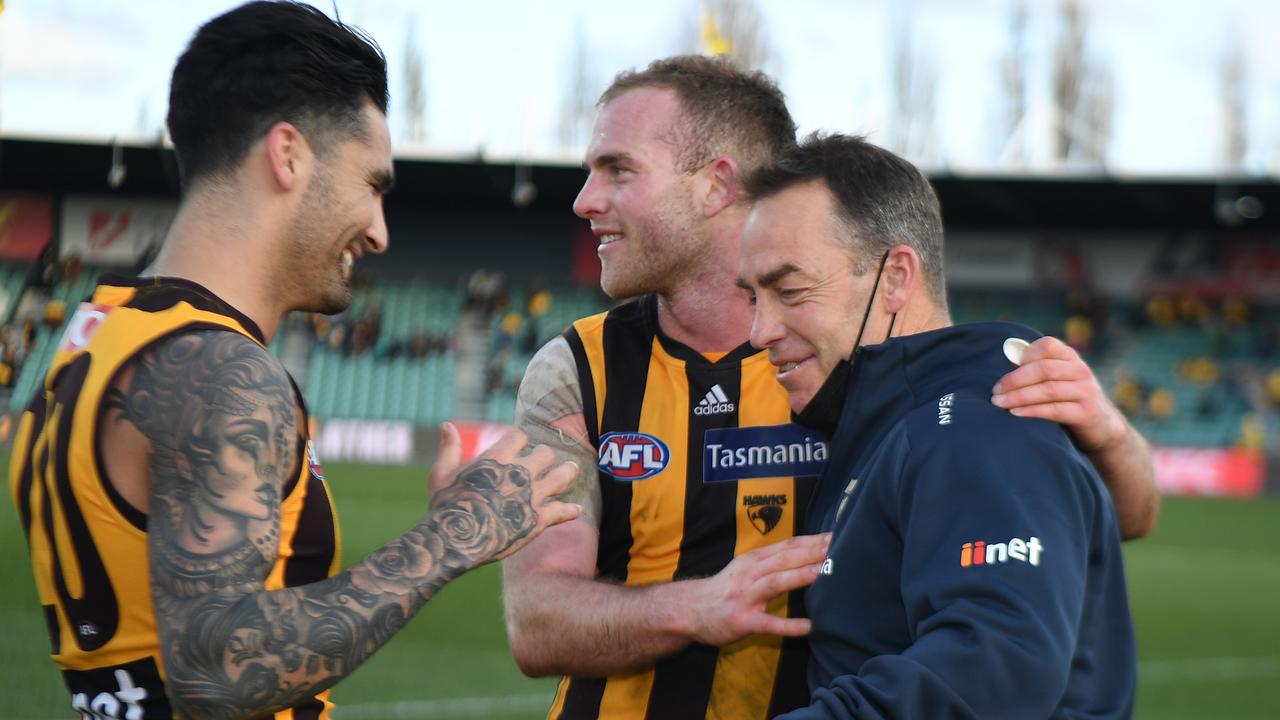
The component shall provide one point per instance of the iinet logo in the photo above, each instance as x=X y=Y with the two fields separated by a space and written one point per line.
x=985 y=553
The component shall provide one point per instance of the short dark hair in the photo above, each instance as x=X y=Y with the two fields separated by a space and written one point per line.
x=881 y=199
x=728 y=111
x=262 y=63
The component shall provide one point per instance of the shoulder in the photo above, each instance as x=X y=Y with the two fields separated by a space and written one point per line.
x=964 y=435
x=635 y=315
x=211 y=364
x=553 y=364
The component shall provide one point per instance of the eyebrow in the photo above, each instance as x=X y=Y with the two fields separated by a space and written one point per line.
x=607 y=160
x=771 y=277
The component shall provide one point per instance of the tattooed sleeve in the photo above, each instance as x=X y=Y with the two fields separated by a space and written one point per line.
x=221 y=418
x=549 y=411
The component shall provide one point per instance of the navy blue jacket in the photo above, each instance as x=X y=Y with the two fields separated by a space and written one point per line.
x=975 y=567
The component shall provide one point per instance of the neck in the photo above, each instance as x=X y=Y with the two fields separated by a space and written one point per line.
x=220 y=241
x=706 y=310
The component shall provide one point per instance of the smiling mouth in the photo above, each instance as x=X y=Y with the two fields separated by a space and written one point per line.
x=610 y=238
x=785 y=369
x=348 y=262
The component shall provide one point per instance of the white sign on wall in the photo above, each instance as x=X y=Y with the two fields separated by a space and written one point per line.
x=113 y=231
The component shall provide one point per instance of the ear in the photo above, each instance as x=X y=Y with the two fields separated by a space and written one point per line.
x=722 y=186
x=903 y=273
x=289 y=156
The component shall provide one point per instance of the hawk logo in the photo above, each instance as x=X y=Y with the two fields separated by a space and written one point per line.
x=764 y=511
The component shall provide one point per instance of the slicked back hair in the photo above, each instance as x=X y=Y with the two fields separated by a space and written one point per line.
x=881 y=200
x=727 y=111
x=266 y=62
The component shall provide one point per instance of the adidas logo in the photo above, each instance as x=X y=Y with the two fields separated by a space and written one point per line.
x=714 y=403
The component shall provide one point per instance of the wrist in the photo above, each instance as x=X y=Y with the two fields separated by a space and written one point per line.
x=678 y=602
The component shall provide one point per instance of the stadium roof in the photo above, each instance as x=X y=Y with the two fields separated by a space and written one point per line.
x=969 y=201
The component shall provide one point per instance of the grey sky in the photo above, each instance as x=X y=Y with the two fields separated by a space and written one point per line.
x=496 y=70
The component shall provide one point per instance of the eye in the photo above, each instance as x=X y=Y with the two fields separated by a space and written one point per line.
x=789 y=293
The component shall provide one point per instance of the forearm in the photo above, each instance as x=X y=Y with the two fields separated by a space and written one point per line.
x=232 y=653
x=1129 y=473
x=561 y=624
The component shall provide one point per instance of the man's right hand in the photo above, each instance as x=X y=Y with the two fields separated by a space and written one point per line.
x=500 y=501
x=733 y=603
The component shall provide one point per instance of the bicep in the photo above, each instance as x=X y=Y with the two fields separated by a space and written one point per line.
x=221 y=420
x=549 y=412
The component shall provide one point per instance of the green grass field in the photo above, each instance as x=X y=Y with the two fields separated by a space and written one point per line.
x=1205 y=590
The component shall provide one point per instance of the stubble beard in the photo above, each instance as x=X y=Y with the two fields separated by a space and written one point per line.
x=318 y=283
x=668 y=250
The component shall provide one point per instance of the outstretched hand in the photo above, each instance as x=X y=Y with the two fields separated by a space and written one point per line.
x=1054 y=383
x=733 y=603
x=497 y=503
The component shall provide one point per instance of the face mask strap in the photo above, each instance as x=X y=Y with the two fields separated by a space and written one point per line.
x=866 y=313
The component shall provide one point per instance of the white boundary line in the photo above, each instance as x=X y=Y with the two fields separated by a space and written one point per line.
x=461 y=707
x=1209 y=669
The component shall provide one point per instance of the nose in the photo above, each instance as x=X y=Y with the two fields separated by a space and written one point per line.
x=377 y=237
x=591 y=200
x=766 y=325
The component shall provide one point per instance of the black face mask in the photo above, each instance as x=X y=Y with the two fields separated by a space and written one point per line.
x=823 y=411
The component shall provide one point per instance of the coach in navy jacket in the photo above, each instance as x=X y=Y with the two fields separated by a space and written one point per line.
x=975 y=566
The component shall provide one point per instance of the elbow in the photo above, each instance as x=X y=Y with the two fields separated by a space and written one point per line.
x=528 y=653
x=1143 y=525
x=531 y=662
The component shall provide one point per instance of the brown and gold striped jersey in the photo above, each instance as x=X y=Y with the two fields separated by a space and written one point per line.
x=674 y=506
x=88 y=545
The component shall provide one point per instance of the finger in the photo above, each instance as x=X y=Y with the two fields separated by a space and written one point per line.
x=556 y=512
x=507 y=447
x=448 y=457
x=1049 y=347
x=1043 y=371
x=792 y=558
x=786 y=627
x=1064 y=413
x=1050 y=391
x=776 y=583
x=759 y=555
x=554 y=482
x=553 y=514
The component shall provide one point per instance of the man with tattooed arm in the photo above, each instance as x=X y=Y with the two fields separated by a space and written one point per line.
x=183 y=539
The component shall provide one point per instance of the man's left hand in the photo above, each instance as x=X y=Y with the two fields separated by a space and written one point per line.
x=1054 y=383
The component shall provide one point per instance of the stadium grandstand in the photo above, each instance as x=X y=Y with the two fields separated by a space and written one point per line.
x=1170 y=288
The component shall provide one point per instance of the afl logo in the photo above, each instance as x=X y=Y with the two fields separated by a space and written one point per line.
x=83 y=326
x=631 y=456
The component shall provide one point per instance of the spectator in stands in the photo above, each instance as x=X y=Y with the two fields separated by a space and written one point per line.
x=1078 y=332
x=537 y=305
x=1161 y=311
x=1192 y=310
x=486 y=291
x=364 y=332
x=1129 y=395
x=54 y=312
x=1273 y=388
x=1161 y=405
